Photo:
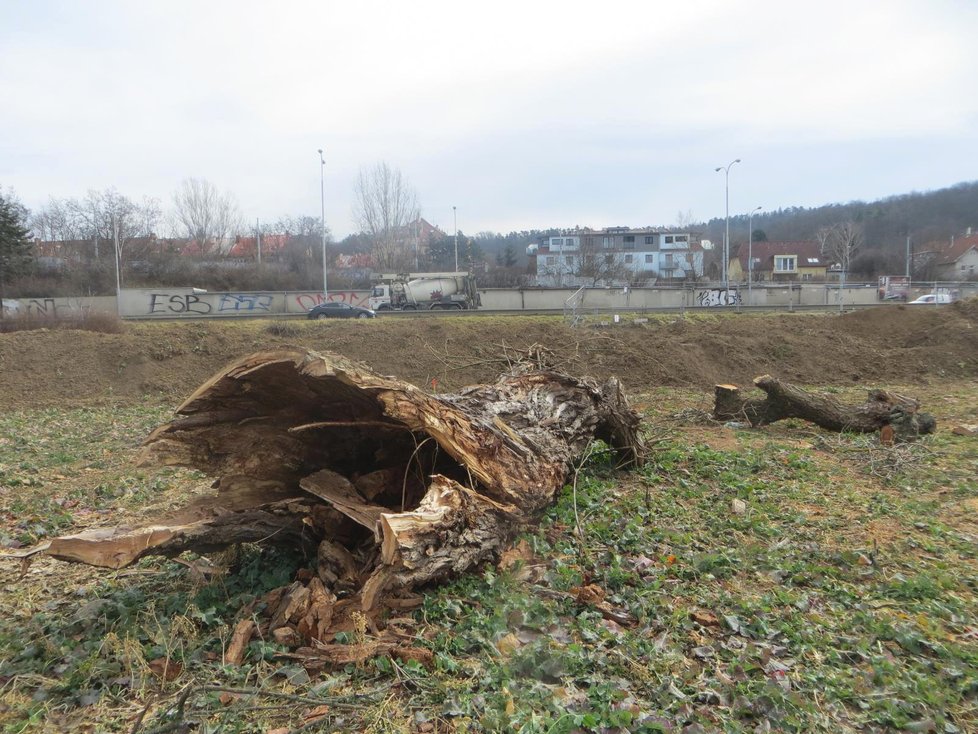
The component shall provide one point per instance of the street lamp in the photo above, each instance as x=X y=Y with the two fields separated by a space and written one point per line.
x=750 y=256
x=455 y=220
x=322 y=196
x=726 y=238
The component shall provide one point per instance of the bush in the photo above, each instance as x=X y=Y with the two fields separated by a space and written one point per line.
x=99 y=321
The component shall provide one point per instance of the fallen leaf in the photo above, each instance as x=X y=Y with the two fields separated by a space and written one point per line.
x=165 y=669
x=705 y=618
x=316 y=713
x=226 y=698
x=521 y=553
x=508 y=644
x=592 y=594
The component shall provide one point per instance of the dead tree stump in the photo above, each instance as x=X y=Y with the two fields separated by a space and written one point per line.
x=389 y=486
x=783 y=400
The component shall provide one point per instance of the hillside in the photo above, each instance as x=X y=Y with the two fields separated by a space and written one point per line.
x=168 y=360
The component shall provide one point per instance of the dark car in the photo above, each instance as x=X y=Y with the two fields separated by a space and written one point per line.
x=340 y=311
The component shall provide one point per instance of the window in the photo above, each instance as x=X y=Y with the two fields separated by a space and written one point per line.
x=784 y=263
x=649 y=259
x=628 y=259
x=669 y=239
x=681 y=238
x=628 y=242
x=569 y=260
x=556 y=241
x=669 y=262
x=807 y=276
x=630 y=238
x=650 y=240
x=813 y=261
x=608 y=259
x=551 y=260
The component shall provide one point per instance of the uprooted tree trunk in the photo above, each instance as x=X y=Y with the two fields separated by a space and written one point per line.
x=783 y=400
x=387 y=485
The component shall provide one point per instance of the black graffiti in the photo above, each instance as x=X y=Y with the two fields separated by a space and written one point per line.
x=165 y=303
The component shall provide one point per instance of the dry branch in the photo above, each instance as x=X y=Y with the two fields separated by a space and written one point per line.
x=783 y=400
x=389 y=486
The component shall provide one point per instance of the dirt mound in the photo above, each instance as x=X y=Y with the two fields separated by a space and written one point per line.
x=897 y=344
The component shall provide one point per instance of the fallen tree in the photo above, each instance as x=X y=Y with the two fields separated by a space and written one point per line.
x=882 y=410
x=387 y=486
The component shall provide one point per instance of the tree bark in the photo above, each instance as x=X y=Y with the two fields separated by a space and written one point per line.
x=783 y=400
x=396 y=487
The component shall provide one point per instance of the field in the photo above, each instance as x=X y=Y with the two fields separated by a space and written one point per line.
x=777 y=579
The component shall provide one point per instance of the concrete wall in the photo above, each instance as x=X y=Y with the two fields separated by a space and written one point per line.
x=176 y=302
x=170 y=302
x=60 y=306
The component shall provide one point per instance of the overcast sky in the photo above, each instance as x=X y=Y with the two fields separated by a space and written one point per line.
x=521 y=114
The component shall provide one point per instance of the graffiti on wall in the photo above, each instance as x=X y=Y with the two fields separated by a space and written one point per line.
x=207 y=303
x=306 y=301
x=718 y=297
x=52 y=307
x=168 y=303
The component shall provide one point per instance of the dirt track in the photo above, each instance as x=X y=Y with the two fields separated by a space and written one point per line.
x=167 y=361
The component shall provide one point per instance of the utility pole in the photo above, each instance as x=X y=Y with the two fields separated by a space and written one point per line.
x=908 y=256
x=455 y=219
x=726 y=237
x=322 y=196
x=118 y=267
x=258 y=239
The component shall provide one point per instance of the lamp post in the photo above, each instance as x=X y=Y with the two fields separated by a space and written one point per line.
x=455 y=221
x=322 y=197
x=726 y=237
x=750 y=256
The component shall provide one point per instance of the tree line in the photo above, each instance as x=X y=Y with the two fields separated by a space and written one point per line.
x=149 y=240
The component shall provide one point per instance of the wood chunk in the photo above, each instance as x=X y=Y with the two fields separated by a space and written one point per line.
x=282 y=430
x=242 y=635
x=784 y=400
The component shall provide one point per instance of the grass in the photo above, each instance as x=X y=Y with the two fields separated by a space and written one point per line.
x=99 y=321
x=840 y=596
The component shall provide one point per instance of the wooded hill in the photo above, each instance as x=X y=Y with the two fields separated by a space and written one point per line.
x=886 y=224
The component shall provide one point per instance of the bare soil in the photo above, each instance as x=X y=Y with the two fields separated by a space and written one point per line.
x=168 y=360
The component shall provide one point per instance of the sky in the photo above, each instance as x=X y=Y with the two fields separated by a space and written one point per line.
x=520 y=114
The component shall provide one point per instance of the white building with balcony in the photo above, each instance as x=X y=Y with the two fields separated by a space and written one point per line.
x=616 y=256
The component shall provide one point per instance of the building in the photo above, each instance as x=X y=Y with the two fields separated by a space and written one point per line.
x=615 y=256
x=957 y=260
x=779 y=262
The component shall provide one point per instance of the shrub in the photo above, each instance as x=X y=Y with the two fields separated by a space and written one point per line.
x=87 y=320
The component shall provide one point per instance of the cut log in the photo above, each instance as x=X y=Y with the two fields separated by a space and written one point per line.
x=783 y=400
x=390 y=487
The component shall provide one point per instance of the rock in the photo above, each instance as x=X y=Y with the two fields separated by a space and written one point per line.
x=966 y=429
x=738 y=506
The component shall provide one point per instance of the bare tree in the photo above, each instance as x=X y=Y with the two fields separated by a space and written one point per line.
x=685 y=219
x=386 y=204
x=593 y=263
x=839 y=243
x=204 y=213
x=97 y=217
x=305 y=240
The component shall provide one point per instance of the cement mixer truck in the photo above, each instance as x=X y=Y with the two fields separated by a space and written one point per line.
x=423 y=291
